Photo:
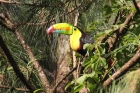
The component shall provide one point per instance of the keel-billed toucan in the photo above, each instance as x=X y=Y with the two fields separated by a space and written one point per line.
x=77 y=37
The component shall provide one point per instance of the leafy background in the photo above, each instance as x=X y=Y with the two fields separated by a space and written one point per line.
x=96 y=17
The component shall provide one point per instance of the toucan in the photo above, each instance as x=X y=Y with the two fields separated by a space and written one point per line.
x=77 y=37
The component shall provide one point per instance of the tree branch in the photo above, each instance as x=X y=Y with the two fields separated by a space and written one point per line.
x=31 y=4
x=15 y=66
x=19 y=89
x=119 y=33
x=11 y=26
x=55 y=87
x=137 y=5
x=13 y=2
x=73 y=52
x=53 y=19
x=116 y=18
x=133 y=61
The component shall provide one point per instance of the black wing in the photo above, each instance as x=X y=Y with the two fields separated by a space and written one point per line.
x=87 y=39
x=84 y=40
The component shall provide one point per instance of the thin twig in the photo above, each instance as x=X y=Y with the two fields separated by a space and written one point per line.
x=73 y=53
x=118 y=32
x=55 y=87
x=53 y=19
x=116 y=18
x=28 y=4
x=19 y=89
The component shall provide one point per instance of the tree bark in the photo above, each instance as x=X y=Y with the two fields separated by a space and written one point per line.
x=135 y=59
x=4 y=21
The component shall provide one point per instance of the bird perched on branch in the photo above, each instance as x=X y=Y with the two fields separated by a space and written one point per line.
x=77 y=37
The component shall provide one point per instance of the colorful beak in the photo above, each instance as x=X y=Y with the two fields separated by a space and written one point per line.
x=61 y=28
x=50 y=30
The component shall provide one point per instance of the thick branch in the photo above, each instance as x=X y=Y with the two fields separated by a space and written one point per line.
x=119 y=32
x=4 y=21
x=137 y=6
x=15 y=66
x=33 y=59
x=8 y=24
x=135 y=59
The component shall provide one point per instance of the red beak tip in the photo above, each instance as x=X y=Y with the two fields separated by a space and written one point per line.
x=50 y=30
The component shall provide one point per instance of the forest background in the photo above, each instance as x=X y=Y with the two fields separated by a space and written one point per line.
x=32 y=61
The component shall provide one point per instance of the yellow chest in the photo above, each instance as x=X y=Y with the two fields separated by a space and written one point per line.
x=75 y=40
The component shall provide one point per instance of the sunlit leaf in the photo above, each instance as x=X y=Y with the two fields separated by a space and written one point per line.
x=81 y=79
x=77 y=88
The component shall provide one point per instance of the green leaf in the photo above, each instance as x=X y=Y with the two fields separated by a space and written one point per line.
x=101 y=50
x=119 y=55
x=86 y=46
x=10 y=68
x=90 y=75
x=107 y=9
x=108 y=31
x=88 y=66
x=81 y=79
x=69 y=84
x=37 y=90
x=78 y=88
x=91 y=85
x=102 y=61
x=91 y=60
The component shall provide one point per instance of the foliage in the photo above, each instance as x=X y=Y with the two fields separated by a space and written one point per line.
x=125 y=49
x=96 y=17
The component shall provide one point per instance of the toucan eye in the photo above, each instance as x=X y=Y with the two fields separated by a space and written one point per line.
x=74 y=28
